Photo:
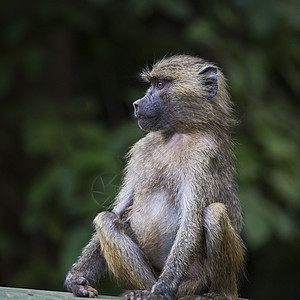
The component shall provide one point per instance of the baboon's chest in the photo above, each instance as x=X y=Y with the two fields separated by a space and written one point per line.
x=155 y=214
x=155 y=224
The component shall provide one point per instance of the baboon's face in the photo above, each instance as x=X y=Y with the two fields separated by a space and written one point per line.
x=181 y=94
x=150 y=110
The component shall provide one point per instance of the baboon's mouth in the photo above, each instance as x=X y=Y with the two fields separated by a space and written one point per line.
x=144 y=117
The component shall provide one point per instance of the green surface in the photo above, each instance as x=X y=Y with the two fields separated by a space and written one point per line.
x=15 y=293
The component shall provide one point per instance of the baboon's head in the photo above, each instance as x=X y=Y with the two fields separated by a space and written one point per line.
x=184 y=92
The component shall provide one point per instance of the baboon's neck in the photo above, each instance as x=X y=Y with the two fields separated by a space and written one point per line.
x=212 y=129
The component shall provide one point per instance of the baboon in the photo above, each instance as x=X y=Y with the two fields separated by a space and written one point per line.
x=174 y=231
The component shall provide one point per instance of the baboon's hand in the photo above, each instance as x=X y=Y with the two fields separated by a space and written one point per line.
x=159 y=292
x=137 y=295
x=80 y=287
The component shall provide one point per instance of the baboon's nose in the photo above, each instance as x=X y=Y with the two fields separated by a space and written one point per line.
x=136 y=107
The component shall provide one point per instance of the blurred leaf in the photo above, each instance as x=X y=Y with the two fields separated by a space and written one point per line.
x=202 y=31
x=286 y=184
x=177 y=9
x=256 y=217
x=6 y=76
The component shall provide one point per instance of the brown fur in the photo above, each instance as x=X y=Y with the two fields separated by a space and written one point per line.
x=174 y=230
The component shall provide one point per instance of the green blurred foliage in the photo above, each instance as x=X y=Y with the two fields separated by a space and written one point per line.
x=68 y=76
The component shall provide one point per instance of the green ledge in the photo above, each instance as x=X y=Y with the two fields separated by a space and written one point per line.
x=31 y=294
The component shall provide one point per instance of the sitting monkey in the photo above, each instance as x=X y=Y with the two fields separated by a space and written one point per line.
x=174 y=231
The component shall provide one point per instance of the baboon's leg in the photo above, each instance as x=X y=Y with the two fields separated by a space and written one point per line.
x=192 y=286
x=223 y=261
x=123 y=256
x=224 y=252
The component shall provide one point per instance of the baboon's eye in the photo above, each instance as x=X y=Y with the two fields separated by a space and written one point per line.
x=160 y=84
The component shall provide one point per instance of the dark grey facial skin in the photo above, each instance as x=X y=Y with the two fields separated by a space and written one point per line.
x=149 y=110
x=157 y=110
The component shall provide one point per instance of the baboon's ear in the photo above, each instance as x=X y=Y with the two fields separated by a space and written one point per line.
x=209 y=78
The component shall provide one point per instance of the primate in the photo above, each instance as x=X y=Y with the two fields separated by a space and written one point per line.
x=174 y=231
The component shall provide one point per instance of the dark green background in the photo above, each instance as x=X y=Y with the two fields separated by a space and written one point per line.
x=68 y=76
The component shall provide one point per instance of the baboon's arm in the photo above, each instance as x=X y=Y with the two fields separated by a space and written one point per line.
x=187 y=243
